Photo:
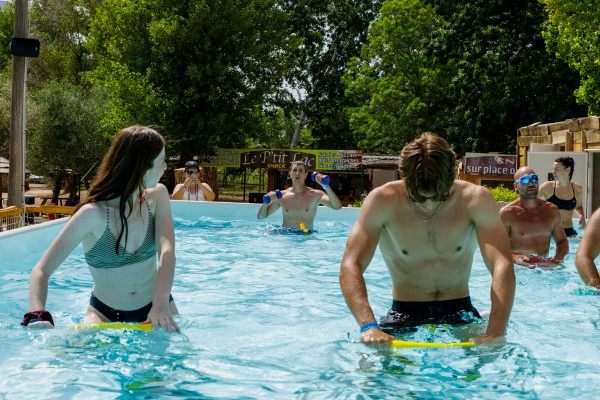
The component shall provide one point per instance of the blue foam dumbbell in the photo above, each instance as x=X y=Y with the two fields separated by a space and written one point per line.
x=267 y=199
x=324 y=179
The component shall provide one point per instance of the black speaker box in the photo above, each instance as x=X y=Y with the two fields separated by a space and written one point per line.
x=24 y=47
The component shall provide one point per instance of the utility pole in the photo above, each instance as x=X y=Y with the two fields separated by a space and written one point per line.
x=16 y=177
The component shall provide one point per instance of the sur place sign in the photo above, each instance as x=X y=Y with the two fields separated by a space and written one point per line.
x=490 y=164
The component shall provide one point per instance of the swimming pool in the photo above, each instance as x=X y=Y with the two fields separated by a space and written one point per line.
x=263 y=317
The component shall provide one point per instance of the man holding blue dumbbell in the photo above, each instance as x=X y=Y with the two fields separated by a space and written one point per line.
x=299 y=203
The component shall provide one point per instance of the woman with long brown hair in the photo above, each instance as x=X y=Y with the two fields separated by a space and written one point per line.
x=123 y=225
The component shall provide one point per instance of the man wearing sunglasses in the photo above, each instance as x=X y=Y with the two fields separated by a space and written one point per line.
x=428 y=226
x=192 y=189
x=531 y=222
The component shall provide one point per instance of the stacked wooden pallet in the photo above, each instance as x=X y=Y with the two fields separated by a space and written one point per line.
x=575 y=134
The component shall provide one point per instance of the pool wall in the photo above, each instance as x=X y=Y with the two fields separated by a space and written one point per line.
x=35 y=239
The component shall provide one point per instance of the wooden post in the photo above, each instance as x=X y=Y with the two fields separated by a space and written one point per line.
x=16 y=178
x=569 y=141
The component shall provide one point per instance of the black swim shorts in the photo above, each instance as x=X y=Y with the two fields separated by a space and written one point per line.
x=409 y=313
x=570 y=232
x=114 y=315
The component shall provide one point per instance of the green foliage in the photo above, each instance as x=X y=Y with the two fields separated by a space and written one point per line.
x=503 y=76
x=359 y=203
x=398 y=88
x=572 y=34
x=332 y=33
x=63 y=27
x=472 y=71
x=205 y=71
x=5 y=98
x=501 y=193
x=278 y=130
x=7 y=15
x=66 y=133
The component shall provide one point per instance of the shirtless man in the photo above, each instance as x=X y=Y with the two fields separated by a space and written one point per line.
x=428 y=226
x=588 y=251
x=531 y=222
x=299 y=203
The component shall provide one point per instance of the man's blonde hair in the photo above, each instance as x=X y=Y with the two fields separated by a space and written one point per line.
x=428 y=164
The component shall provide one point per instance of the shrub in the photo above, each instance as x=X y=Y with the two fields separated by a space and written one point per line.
x=501 y=193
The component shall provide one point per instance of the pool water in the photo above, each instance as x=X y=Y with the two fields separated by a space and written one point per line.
x=263 y=317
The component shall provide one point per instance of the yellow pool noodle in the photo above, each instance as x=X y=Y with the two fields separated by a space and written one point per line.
x=115 y=325
x=401 y=344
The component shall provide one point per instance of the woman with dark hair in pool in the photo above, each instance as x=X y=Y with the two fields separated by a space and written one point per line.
x=564 y=193
x=123 y=224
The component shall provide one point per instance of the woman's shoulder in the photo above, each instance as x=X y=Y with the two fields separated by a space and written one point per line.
x=157 y=194
x=93 y=215
x=93 y=210
x=157 y=191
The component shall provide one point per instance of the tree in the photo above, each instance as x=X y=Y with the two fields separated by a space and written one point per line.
x=66 y=139
x=207 y=71
x=472 y=71
x=63 y=27
x=572 y=35
x=398 y=88
x=7 y=16
x=332 y=32
x=503 y=77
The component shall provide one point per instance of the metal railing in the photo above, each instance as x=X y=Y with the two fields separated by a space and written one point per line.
x=14 y=218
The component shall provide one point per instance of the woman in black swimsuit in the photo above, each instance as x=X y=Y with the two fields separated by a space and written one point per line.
x=566 y=195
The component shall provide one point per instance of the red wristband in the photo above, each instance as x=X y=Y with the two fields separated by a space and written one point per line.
x=35 y=316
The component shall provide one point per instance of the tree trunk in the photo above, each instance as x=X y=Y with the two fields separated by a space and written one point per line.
x=299 y=126
x=57 y=185
x=17 y=110
x=73 y=180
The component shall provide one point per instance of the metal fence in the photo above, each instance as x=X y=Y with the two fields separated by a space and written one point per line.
x=14 y=218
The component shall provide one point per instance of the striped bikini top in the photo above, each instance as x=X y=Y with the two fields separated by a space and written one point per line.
x=102 y=254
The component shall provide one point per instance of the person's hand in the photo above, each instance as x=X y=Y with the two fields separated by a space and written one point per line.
x=160 y=317
x=190 y=180
x=40 y=319
x=489 y=340
x=582 y=223
x=273 y=196
x=376 y=337
x=523 y=261
x=318 y=178
x=40 y=325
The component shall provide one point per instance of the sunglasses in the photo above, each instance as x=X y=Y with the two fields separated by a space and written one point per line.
x=525 y=179
x=191 y=172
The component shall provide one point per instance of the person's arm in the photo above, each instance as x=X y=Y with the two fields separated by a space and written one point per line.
x=579 y=205
x=506 y=216
x=329 y=198
x=178 y=192
x=209 y=195
x=79 y=225
x=160 y=314
x=495 y=251
x=545 y=190
x=559 y=236
x=267 y=209
x=588 y=250
x=360 y=247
